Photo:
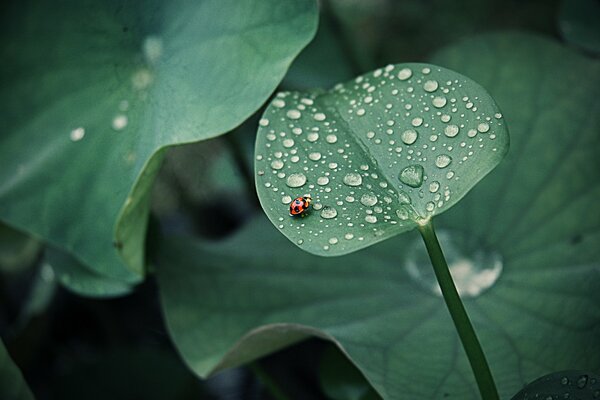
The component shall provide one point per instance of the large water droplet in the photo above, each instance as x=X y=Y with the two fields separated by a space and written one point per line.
x=412 y=175
x=473 y=272
x=430 y=86
x=439 y=102
x=409 y=136
x=368 y=199
x=443 y=160
x=483 y=127
x=277 y=164
x=353 y=179
x=404 y=74
x=322 y=180
x=296 y=180
x=328 y=212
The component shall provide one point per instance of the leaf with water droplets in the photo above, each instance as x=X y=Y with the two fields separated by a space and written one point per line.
x=562 y=385
x=409 y=139
x=92 y=92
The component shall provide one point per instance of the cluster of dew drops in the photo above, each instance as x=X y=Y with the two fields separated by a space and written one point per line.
x=304 y=147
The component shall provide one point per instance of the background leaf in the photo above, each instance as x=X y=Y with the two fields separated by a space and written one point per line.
x=579 y=22
x=564 y=384
x=536 y=314
x=378 y=154
x=94 y=91
x=12 y=384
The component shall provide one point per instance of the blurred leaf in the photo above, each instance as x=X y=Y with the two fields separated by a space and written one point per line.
x=91 y=92
x=82 y=280
x=230 y=302
x=563 y=385
x=341 y=380
x=378 y=154
x=126 y=374
x=12 y=384
x=579 y=22
x=18 y=251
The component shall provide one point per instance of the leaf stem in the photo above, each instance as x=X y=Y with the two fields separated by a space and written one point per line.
x=479 y=365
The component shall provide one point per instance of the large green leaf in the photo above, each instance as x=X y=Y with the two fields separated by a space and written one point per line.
x=92 y=91
x=533 y=223
x=563 y=385
x=12 y=384
x=579 y=22
x=378 y=154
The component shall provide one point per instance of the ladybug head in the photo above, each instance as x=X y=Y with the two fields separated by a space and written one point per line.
x=308 y=199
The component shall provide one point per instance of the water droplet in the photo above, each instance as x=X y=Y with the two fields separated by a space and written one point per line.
x=564 y=380
x=439 y=102
x=152 y=48
x=368 y=199
x=582 y=381
x=370 y=135
x=360 y=112
x=412 y=175
x=287 y=143
x=333 y=240
x=472 y=133
x=402 y=213
x=331 y=138
x=353 y=179
x=263 y=122
x=430 y=206
x=278 y=103
x=409 y=136
x=119 y=122
x=296 y=180
x=312 y=137
x=371 y=219
x=328 y=212
x=498 y=115
x=451 y=130
x=404 y=74
x=434 y=186
x=293 y=114
x=403 y=197
x=322 y=180
x=315 y=156
x=319 y=117
x=430 y=86
x=443 y=160
x=483 y=127
x=77 y=134
x=286 y=199
x=277 y=164
x=417 y=121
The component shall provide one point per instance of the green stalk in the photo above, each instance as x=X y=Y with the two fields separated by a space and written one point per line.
x=479 y=365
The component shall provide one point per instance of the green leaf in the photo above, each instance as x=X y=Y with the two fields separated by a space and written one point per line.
x=91 y=92
x=523 y=249
x=378 y=154
x=12 y=384
x=563 y=385
x=82 y=280
x=18 y=251
x=579 y=22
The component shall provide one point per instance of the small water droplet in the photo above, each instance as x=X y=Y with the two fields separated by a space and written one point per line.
x=77 y=134
x=412 y=175
x=371 y=219
x=328 y=212
x=263 y=122
x=120 y=122
x=403 y=197
x=312 y=137
x=417 y=121
x=409 y=136
x=402 y=213
x=286 y=199
x=483 y=127
x=277 y=164
x=353 y=179
x=404 y=74
x=370 y=135
x=278 y=103
x=287 y=143
x=331 y=138
x=430 y=86
x=333 y=240
x=319 y=117
x=368 y=199
x=293 y=114
x=443 y=160
x=315 y=156
x=434 y=186
x=360 y=112
x=322 y=180
x=296 y=180
x=582 y=381
x=348 y=236
x=439 y=102
x=564 y=380
x=451 y=130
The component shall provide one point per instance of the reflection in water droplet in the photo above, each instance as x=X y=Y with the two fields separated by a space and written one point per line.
x=328 y=212
x=443 y=160
x=409 y=136
x=473 y=272
x=353 y=179
x=451 y=130
x=412 y=175
x=368 y=199
x=296 y=180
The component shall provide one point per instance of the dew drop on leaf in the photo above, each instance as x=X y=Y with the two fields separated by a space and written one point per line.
x=412 y=175
x=409 y=136
x=328 y=212
x=296 y=180
x=353 y=179
x=443 y=160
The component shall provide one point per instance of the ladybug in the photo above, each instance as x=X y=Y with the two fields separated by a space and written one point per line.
x=300 y=205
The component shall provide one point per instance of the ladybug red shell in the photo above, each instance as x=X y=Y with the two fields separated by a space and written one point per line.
x=300 y=205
